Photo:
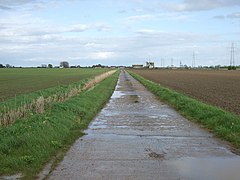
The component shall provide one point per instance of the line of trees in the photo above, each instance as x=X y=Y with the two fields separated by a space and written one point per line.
x=63 y=64
x=6 y=66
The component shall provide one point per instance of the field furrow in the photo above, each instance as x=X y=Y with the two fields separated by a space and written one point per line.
x=219 y=88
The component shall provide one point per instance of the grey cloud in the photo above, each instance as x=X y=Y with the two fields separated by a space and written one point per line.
x=122 y=11
x=37 y=27
x=219 y=17
x=145 y=44
x=234 y=15
x=15 y=2
x=28 y=5
x=5 y=7
x=203 y=5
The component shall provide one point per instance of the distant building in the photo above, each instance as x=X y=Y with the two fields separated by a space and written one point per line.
x=149 y=64
x=137 y=66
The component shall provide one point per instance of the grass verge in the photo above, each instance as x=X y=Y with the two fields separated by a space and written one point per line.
x=29 y=144
x=222 y=123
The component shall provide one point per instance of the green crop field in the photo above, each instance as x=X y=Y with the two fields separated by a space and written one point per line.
x=18 y=81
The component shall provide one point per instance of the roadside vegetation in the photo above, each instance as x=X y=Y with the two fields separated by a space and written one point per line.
x=31 y=142
x=222 y=123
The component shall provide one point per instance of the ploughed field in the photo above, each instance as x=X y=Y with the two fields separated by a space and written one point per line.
x=17 y=81
x=219 y=88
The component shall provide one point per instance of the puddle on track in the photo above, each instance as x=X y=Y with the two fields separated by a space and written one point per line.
x=137 y=137
x=117 y=94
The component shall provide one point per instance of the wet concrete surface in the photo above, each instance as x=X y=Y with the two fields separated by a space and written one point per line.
x=137 y=137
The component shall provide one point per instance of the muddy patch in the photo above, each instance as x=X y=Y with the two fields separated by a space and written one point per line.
x=152 y=154
x=134 y=98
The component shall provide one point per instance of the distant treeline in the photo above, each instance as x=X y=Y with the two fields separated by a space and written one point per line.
x=66 y=65
x=62 y=65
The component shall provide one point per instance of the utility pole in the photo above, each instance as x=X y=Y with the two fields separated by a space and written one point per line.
x=162 y=62
x=171 y=62
x=193 y=60
x=232 y=61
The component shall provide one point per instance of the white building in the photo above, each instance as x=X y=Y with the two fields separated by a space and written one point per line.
x=149 y=64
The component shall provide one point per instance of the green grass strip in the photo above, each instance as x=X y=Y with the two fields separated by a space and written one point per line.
x=222 y=123
x=29 y=144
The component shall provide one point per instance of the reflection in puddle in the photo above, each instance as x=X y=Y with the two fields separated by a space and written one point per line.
x=117 y=94
x=98 y=125
x=122 y=126
x=159 y=116
x=168 y=127
x=208 y=168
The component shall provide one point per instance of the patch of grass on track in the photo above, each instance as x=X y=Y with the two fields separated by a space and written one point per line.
x=18 y=81
x=222 y=123
x=30 y=143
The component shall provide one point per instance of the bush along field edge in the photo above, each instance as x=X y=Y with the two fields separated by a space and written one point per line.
x=223 y=124
x=27 y=145
x=37 y=102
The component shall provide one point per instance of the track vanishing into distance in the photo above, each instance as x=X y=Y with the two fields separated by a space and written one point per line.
x=135 y=136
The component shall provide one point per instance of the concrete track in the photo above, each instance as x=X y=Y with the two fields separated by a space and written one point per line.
x=137 y=137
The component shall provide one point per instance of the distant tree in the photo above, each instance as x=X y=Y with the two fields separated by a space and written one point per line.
x=2 y=66
x=185 y=66
x=8 y=66
x=50 y=66
x=44 y=66
x=217 y=67
x=232 y=67
x=98 y=66
x=64 y=64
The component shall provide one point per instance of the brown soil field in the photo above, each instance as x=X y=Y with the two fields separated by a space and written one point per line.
x=219 y=88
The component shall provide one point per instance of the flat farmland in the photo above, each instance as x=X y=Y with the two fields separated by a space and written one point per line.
x=18 y=81
x=219 y=88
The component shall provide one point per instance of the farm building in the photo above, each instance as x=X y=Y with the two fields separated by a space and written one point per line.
x=137 y=66
x=149 y=64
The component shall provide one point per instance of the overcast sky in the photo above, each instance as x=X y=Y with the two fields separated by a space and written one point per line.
x=118 y=32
